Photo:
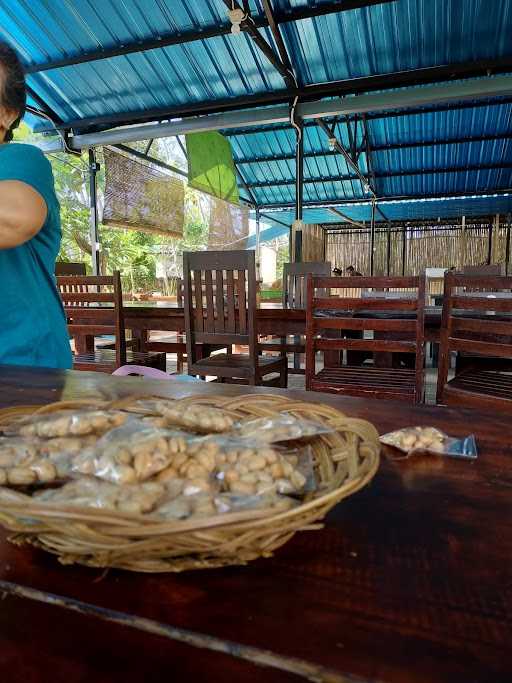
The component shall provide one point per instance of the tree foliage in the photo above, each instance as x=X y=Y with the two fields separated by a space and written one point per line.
x=133 y=252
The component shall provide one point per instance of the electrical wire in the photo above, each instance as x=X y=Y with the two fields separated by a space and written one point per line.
x=44 y=115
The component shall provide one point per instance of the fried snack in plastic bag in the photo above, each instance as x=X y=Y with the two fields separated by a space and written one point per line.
x=67 y=423
x=410 y=440
x=282 y=427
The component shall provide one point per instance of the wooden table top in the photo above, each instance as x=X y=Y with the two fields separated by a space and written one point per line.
x=410 y=581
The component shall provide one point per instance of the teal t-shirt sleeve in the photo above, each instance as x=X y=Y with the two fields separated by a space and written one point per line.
x=27 y=164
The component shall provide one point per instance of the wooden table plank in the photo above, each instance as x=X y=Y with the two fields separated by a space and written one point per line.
x=410 y=581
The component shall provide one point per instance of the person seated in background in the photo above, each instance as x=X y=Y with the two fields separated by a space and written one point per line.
x=337 y=271
x=351 y=272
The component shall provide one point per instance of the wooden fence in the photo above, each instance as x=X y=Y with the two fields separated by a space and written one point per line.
x=409 y=250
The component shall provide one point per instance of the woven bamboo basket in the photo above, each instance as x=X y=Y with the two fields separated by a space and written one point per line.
x=344 y=461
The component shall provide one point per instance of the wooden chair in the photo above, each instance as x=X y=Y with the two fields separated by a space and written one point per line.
x=176 y=342
x=403 y=335
x=294 y=296
x=220 y=308
x=94 y=306
x=65 y=268
x=477 y=322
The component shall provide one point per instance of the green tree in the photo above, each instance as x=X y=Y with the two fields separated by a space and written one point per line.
x=133 y=252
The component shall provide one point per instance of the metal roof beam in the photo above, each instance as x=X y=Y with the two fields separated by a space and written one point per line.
x=453 y=106
x=348 y=159
x=472 y=89
x=336 y=212
x=248 y=25
x=166 y=40
x=396 y=199
x=271 y=218
x=380 y=148
x=276 y=33
x=388 y=174
x=333 y=89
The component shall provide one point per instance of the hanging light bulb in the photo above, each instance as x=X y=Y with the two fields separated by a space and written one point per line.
x=236 y=16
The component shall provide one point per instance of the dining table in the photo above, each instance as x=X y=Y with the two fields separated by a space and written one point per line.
x=142 y=317
x=407 y=581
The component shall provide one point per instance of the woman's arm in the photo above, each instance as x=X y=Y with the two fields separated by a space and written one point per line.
x=22 y=213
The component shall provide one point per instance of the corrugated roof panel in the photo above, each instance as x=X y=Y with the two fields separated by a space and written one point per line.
x=446 y=183
x=446 y=156
x=427 y=209
x=405 y=34
x=397 y=36
x=441 y=125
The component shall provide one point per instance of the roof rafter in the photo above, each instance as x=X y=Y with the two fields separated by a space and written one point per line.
x=180 y=38
x=249 y=26
x=394 y=199
x=366 y=84
x=388 y=174
x=413 y=111
x=381 y=148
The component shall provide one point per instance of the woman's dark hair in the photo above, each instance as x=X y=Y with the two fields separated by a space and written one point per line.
x=13 y=95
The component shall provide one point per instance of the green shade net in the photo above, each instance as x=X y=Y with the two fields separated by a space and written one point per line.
x=210 y=166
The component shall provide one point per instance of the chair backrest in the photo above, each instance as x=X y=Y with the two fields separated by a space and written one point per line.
x=63 y=268
x=477 y=319
x=94 y=306
x=220 y=299
x=401 y=318
x=484 y=270
x=294 y=281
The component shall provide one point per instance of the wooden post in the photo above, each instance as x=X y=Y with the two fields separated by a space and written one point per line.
x=388 y=251
x=507 y=245
x=489 y=244
x=404 y=248
x=464 y=246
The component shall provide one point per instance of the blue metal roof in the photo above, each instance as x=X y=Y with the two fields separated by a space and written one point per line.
x=427 y=209
x=384 y=38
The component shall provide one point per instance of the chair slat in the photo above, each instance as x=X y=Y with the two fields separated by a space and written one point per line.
x=366 y=345
x=346 y=323
x=210 y=306
x=198 y=300
x=219 y=301
x=481 y=303
x=242 y=304
x=351 y=303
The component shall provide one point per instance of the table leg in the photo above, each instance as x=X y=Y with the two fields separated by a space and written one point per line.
x=84 y=343
x=141 y=338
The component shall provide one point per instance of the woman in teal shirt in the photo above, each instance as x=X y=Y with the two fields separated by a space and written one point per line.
x=33 y=327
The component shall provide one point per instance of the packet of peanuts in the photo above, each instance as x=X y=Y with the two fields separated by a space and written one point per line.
x=282 y=427
x=410 y=440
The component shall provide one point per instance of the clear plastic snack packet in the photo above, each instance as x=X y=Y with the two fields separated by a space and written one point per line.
x=258 y=469
x=67 y=423
x=134 y=452
x=410 y=440
x=282 y=427
x=194 y=417
x=90 y=492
